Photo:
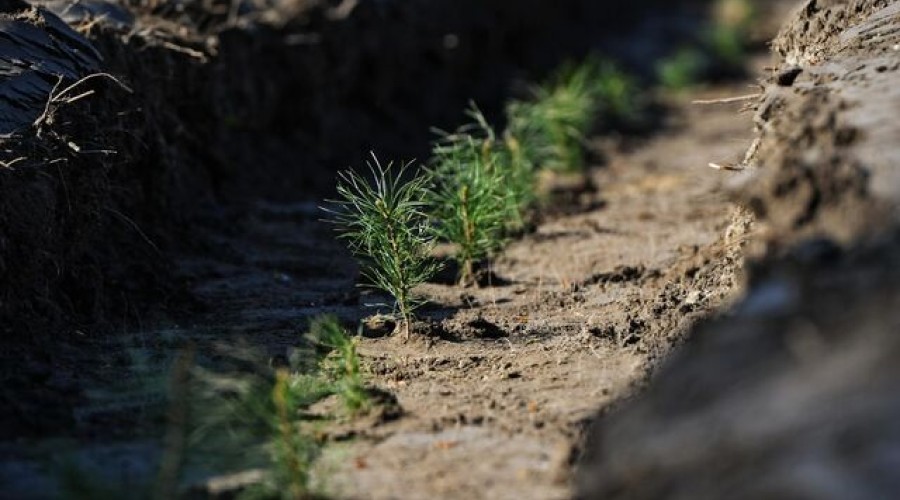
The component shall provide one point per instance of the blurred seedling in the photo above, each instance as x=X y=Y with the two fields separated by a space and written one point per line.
x=139 y=389
x=729 y=35
x=683 y=69
x=250 y=418
x=260 y=429
x=552 y=125
x=238 y=419
x=616 y=92
x=386 y=228
x=340 y=365
x=472 y=193
x=720 y=50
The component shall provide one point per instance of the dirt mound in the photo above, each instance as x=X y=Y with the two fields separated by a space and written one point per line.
x=63 y=195
x=826 y=157
x=792 y=396
x=792 y=393
x=817 y=30
x=37 y=53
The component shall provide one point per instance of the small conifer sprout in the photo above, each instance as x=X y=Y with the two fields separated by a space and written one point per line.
x=471 y=194
x=616 y=93
x=341 y=365
x=552 y=125
x=386 y=228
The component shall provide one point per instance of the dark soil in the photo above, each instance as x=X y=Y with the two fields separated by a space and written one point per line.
x=225 y=109
x=101 y=197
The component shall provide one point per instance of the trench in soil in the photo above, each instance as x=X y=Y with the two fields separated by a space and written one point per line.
x=497 y=388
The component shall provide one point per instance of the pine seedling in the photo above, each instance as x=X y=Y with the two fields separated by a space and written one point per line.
x=730 y=33
x=507 y=159
x=293 y=451
x=519 y=181
x=553 y=124
x=340 y=366
x=683 y=69
x=385 y=226
x=616 y=93
x=504 y=156
x=469 y=196
x=250 y=418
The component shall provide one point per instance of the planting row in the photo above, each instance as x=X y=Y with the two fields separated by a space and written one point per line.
x=476 y=190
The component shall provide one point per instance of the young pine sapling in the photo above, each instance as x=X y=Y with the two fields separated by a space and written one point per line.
x=385 y=226
x=469 y=194
x=340 y=366
x=552 y=125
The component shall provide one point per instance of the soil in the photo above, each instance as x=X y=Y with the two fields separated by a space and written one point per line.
x=494 y=408
x=792 y=393
x=100 y=197
x=497 y=386
x=503 y=376
x=826 y=165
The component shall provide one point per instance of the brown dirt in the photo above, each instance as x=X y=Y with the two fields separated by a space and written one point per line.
x=588 y=302
x=826 y=167
x=224 y=110
x=499 y=382
x=792 y=393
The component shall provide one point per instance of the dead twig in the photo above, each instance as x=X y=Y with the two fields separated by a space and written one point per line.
x=727 y=100
x=200 y=56
x=75 y=85
x=726 y=166
x=9 y=164
x=43 y=116
x=56 y=99
x=134 y=226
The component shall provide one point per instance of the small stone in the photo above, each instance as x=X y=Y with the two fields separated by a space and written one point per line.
x=694 y=298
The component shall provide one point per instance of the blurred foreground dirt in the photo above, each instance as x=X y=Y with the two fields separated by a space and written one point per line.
x=793 y=393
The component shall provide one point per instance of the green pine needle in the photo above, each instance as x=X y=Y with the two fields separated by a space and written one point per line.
x=470 y=194
x=385 y=226
x=552 y=126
